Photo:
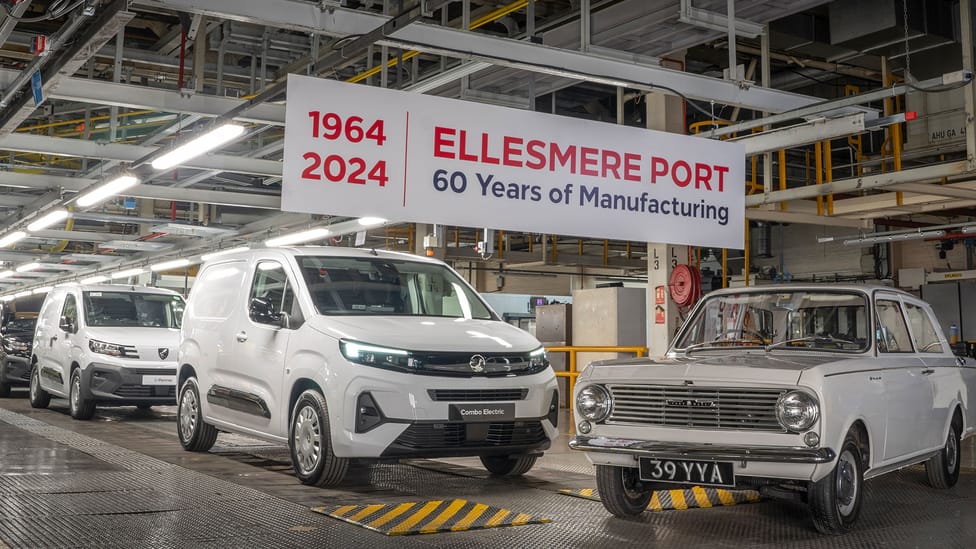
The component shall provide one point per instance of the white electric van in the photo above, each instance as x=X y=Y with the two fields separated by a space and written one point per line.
x=346 y=353
x=108 y=345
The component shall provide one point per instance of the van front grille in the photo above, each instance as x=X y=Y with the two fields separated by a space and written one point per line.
x=431 y=436
x=146 y=391
x=476 y=395
x=698 y=408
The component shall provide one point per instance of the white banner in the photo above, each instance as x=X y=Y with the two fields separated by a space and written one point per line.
x=355 y=150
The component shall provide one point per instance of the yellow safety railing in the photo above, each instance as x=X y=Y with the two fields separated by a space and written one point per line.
x=571 y=374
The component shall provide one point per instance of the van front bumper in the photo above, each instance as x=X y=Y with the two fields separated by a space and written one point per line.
x=128 y=385
x=709 y=452
x=15 y=370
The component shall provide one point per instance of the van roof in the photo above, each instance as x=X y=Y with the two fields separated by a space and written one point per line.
x=332 y=251
x=124 y=288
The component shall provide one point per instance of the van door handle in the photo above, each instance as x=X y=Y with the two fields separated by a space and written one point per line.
x=242 y=337
x=927 y=371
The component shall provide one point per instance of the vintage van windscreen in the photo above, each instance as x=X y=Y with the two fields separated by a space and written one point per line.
x=116 y=309
x=791 y=320
x=382 y=286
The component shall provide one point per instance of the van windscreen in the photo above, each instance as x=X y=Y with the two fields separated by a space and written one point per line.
x=133 y=309
x=382 y=286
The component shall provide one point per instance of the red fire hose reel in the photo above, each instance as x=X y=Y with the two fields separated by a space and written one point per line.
x=685 y=286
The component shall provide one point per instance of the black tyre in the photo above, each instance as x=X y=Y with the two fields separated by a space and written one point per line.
x=39 y=398
x=196 y=435
x=505 y=466
x=80 y=407
x=621 y=490
x=4 y=390
x=835 y=500
x=310 y=441
x=943 y=468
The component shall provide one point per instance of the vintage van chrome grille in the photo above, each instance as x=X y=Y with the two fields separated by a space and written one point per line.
x=455 y=435
x=744 y=409
x=476 y=395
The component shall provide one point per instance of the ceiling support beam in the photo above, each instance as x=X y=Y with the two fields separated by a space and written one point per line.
x=779 y=216
x=336 y=21
x=60 y=146
x=156 y=192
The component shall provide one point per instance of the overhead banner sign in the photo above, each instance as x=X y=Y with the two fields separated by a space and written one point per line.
x=355 y=150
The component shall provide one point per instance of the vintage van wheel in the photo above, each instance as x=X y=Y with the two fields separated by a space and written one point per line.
x=39 y=398
x=835 y=500
x=505 y=466
x=621 y=490
x=943 y=468
x=80 y=407
x=196 y=435
x=310 y=440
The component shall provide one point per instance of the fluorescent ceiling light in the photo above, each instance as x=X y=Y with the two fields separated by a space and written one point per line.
x=370 y=221
x=46 y=221
x=135 y=245
x=24 y=293
x=297 y=238
x=11 y=238
x=7 y=298
x=191 y=230
x=107 y=190
x=94 y=279
x=27 y=267
x=5 y=274
x=203 y=144
x=127 y=273
x=167 y=265
x=42 y=290
x=212 y=255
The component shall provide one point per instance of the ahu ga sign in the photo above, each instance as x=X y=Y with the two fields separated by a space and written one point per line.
x=355 y=150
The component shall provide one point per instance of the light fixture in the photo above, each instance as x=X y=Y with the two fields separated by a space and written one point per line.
x=27 y=267
x=212 y=255
x=42 y=290
x=135 y=245
x=112 y=188
x=24 y=293
x=6 y=274
x=371 y=221
x=167 y=265
x=9 y=297
x=11 y=238
x=195 y=147
x=297 y=238
x=898 y=237
x=46 y=221
x=97 y=279
x=127 y=273
x=184 y=229
x=969 y=230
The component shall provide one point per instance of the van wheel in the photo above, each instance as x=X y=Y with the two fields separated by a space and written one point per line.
x=196 y=435
x=505 y=466
x=621 y=490
x=943 y=468
x=4 y=390
x=39 y=398
x=835 y=500
x=311 y=442
x=80 y=407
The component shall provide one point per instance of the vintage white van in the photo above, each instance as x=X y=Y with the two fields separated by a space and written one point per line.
x=108 y=345
x=346 y=353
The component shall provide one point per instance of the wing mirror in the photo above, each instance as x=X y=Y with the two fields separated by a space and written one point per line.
x=66 y=325
x=262 y=310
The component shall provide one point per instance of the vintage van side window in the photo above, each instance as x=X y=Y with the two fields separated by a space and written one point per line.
x=271 y=283
x=70 y=310
x=382 y=286
x=892 y=334
x=926 y=338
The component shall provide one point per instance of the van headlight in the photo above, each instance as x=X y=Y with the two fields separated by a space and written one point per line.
x=103 y=348
x=538 y=360
x=375 y=355
x=593 y=402
x=797 y=410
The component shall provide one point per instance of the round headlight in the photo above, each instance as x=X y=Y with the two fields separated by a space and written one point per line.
x=593 y=403
x=797 y=410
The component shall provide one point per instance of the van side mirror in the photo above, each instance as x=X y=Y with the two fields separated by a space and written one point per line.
x=66 y=324
x=262 y=311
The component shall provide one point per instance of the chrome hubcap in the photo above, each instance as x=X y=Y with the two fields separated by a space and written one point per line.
x=847 y=486
x=33 y=385
x=188 y=413
x=307 y=440
x=951 y=450
x=75 y=390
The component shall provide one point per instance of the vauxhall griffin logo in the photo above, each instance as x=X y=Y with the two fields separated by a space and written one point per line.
x=477 y=364
x=163 y=353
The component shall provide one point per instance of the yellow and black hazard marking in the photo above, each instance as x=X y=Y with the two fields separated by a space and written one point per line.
x=428 y=517
x=695 y=497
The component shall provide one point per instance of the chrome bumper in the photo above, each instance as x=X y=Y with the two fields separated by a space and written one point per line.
x=709 y=452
